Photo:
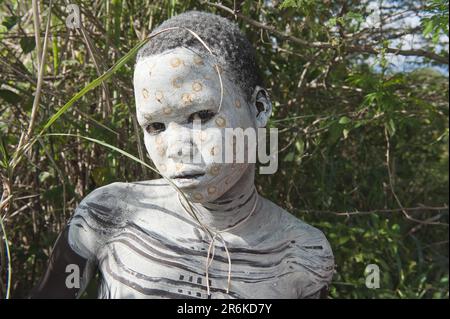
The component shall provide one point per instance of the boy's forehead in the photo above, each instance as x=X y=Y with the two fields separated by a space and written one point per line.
x=176 y=81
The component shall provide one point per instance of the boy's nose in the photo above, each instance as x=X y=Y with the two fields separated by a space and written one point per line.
x=180 y=151
x=180 y=146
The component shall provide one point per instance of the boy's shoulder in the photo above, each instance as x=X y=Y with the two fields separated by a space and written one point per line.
x=121 y=191
x=115 y=197
x=291 y=226
x=310 y=254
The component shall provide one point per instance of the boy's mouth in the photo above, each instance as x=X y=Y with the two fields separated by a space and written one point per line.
x=187 y=175
x=187 y=180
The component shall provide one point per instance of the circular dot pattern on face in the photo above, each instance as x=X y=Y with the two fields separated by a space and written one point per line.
x=167 y=110
x=214 y=170
x=161 y=150
x=187 y=98
x=212 y=104
x=212 y=189
x=197 y=86
x=145 y=93
x=220 y=121
x=203 y=136
x=198 y=60
x=176 y=82
x=198 y=196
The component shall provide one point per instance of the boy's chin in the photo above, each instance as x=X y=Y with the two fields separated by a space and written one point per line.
x=193 y=196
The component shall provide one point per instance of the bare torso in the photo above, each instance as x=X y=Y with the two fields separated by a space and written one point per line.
x=146 y=246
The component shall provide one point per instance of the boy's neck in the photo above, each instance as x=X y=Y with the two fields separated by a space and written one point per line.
x=234 y=206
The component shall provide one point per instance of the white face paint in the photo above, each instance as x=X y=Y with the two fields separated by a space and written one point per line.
x=174 y=88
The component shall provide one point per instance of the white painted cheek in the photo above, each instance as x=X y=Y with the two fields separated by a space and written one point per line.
x=209 y=143
x=157 y=148
x=141 y=79
x=238 y=116
x=235 y=108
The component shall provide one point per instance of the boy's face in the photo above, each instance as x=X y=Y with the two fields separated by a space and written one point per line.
x=177 y=101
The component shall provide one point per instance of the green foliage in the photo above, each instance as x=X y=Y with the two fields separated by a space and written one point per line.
x=298 y=4
x=10 y=21
x=436 y=24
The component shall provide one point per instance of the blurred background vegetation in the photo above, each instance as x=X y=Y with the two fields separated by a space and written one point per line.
x=360 y=93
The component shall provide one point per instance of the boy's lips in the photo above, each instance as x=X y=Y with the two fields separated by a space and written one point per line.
x=187 y=180
x=187 y=175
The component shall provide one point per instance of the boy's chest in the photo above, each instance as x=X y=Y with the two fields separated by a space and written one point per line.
x=142 y=263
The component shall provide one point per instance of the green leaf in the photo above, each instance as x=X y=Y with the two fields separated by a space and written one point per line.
x=345 y=132
x=371 y=98
x=344 y=120
x=289 y=4
x=390 y=125
x=44 y=176
x=27 y=44
x=342 y=240
x=335 y=133
x=4 y=152
x=289 y=157
x=428 y=27
x=9 y=96
x=332 y=22
x=300 y=146
x=10 y=21
x=358 y=17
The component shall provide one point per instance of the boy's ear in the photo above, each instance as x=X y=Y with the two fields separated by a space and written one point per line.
x=263 y=106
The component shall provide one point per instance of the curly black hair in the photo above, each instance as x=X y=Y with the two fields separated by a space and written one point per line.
x=222 y=36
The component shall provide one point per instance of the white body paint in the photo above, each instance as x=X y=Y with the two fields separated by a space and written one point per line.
x=144 y=242
x=188 y=83
x=146 y=246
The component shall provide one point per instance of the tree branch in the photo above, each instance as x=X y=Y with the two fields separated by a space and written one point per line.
x=326 y=45
x=375 y=211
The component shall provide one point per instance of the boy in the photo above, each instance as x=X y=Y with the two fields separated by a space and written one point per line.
x=142 y=237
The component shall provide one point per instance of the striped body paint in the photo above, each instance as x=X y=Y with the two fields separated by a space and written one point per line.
x=146 y=247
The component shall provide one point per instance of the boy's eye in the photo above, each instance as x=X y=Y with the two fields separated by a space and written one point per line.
x=155 y=128
x=203 y=116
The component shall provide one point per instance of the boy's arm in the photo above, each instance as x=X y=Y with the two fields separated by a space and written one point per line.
x=73 y=262
x=67 y=274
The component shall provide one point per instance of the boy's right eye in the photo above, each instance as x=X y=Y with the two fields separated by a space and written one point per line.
x=155 y=128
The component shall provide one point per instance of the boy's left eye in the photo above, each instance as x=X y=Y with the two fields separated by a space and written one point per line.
x=203 y=116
